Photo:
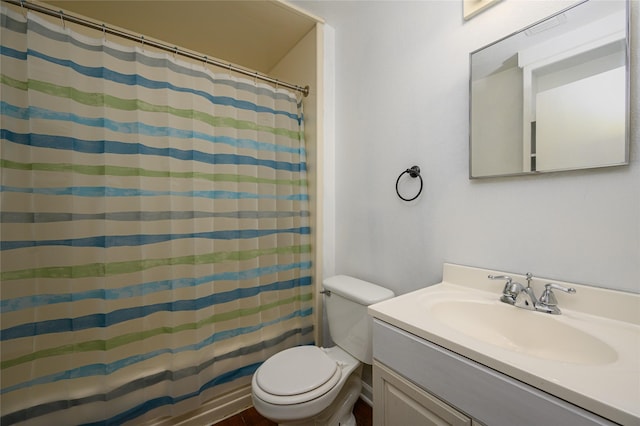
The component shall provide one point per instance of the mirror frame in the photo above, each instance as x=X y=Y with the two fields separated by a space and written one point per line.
x=627 y=117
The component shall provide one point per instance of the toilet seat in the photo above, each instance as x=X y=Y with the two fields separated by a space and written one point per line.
x=296 y=375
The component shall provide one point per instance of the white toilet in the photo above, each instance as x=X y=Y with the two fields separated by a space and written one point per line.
x=308 y=385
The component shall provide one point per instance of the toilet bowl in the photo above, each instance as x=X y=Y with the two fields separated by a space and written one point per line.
x=309 y=385
x=302 y=382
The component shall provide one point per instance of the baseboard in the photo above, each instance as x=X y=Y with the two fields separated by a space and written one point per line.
x=227 y=405
x=212 y=411
x=367 y=394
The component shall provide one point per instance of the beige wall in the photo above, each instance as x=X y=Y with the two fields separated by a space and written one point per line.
x=302 y=64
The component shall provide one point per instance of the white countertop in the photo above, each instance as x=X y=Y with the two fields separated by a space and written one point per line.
x=609 y=387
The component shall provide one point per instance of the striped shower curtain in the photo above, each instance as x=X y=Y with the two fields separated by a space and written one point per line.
x=155 y=240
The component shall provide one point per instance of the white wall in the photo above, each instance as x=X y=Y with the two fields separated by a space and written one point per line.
x=402 y=99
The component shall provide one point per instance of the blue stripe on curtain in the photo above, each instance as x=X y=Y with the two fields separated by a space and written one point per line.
x=44 y=217
x=140 y=240
x=19 y=303
x=114 y=147
x=12 y=111
x=155 y=229
x=122 y=315
x=104 y=191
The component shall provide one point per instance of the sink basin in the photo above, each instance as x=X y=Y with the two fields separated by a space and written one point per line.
x=533 y=333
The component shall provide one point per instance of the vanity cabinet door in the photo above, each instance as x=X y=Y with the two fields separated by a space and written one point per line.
x=396 y=401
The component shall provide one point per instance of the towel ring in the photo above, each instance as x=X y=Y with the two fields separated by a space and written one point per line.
x=414 y=172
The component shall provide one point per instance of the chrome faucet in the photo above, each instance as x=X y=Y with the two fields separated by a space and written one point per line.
x=523 y=297
x=526 y=298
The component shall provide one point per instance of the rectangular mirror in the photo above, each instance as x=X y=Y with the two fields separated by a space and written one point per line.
x=553 y=96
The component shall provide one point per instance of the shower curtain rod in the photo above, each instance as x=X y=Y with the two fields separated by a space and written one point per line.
x=173 y=49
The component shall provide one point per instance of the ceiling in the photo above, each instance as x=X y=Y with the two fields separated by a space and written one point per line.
x=254 y=34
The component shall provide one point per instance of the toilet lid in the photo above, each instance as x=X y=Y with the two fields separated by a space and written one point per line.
x=296 y=371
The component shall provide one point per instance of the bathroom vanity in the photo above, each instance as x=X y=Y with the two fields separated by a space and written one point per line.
x=454 y=354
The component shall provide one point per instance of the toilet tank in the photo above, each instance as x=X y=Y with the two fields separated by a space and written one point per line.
x=350 y=326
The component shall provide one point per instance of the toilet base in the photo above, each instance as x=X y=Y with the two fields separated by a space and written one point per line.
x=340 y=412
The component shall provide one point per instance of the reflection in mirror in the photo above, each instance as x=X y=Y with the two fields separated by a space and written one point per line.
x=554 y=96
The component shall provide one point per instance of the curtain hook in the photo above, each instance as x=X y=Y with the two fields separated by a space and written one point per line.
x=175 y=52
x=255 y=79
x=62 y=18
x=104 y=32
x=277 y=82
x=204 y=61
x=22 y=7
x=142 y=42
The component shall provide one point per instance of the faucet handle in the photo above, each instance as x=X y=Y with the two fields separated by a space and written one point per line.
x=510 y=290
x=547 y=298
x=560 y=287
x=508 y=286
x=500 y=277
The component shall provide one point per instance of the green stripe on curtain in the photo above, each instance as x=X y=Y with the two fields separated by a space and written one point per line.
x=132 y=171
x=101 y=99
x=155 y=229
